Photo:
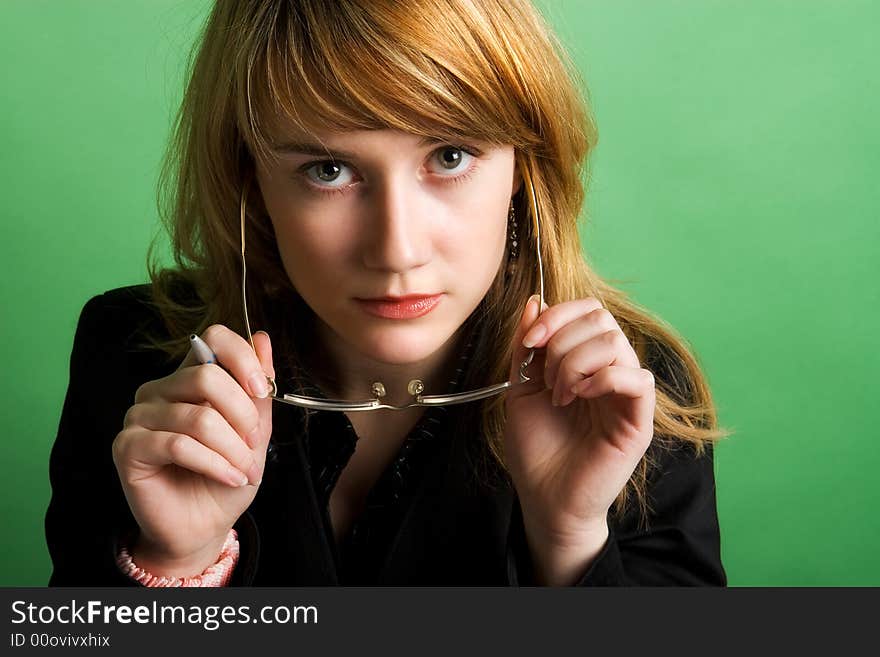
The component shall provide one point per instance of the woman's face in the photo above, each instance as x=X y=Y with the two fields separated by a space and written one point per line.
x=391 y=239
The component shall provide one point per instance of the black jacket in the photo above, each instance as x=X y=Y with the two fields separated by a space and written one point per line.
x=446 y=530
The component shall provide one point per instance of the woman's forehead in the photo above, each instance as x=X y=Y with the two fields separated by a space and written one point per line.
x=297 y=119
x=296 y=140
x=288 y=138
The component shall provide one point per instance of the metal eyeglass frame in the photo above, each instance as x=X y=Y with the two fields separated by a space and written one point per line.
x=415 y=387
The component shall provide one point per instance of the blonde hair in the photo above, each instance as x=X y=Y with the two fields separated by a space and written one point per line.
x=489 y=70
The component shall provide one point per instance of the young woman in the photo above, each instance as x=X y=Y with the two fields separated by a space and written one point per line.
x=442 y=392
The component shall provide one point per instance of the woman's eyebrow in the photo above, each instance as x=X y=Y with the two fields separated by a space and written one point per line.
x=308 y=148
x=314 y=148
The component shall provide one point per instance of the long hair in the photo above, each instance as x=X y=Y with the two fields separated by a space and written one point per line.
x=487 y=70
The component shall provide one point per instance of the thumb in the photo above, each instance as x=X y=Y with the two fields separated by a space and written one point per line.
x=530 y=315
x=263 y=348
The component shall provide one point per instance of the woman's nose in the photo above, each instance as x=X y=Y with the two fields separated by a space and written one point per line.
x=399 y=239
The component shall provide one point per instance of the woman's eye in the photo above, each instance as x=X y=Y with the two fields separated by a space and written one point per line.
x=451 y=159
x=329 y=174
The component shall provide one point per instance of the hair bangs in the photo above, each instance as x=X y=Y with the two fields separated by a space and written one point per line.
x=350 y=65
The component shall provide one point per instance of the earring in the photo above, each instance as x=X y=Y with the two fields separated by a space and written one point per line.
x=513 y=247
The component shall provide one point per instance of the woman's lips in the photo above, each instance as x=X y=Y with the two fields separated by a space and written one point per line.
x=408 y=307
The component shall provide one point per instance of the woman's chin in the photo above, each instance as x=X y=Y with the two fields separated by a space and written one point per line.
x=401 y=347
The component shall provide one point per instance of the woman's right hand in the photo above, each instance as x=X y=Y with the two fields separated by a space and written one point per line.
x=191 y=453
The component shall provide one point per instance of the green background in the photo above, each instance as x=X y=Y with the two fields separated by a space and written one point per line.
x=735 y=195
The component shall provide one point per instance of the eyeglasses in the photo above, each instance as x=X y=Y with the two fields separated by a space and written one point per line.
x=415 y=387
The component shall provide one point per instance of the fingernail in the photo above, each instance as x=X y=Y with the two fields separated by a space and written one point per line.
x=258 y=385
x=532 y=307
x=254 y=474
x=236 y=477
x=534 y=336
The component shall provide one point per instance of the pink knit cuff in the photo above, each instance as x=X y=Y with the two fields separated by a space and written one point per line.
x=216 y=575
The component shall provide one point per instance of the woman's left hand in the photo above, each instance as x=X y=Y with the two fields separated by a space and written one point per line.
x=577 y=430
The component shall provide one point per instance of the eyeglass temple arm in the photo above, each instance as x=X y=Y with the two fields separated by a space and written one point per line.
x=247 y=321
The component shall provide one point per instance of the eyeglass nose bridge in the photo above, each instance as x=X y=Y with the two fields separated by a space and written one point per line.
x=415 y=387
